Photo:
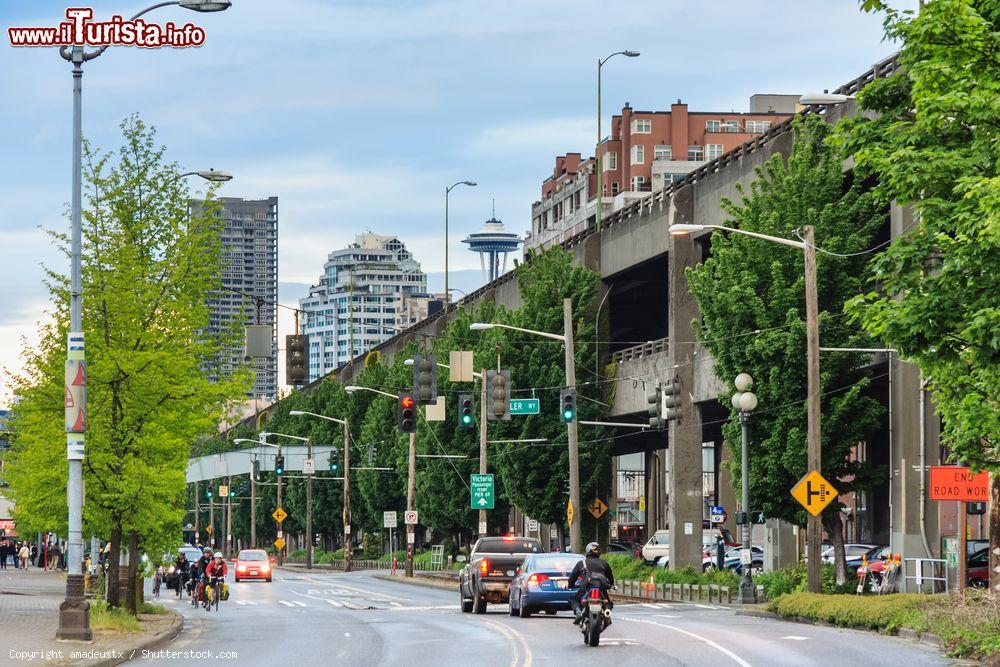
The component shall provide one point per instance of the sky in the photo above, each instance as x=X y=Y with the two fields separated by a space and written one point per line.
x=357 y=115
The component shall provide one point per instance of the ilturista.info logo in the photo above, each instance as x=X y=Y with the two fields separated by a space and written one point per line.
x=81 y=30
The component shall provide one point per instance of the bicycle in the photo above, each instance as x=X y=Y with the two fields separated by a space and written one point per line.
x=216 y=584
x=157 y=582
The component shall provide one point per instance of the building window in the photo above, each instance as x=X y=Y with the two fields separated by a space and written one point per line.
x=610 y=161
x=696 y=153
x=713 y=126
x=758 y=126
x=713 y=151
x=642 y=126
x=662 y=153
x=638 y=154
x=731 y=126
x=638 y=183
x=614 y=188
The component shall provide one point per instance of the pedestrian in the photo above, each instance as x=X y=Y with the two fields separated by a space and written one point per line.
x=24 y=554
x=34 y=554
x=4 y=546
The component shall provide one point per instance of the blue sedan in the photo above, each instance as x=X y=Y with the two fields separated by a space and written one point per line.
x=542 y=583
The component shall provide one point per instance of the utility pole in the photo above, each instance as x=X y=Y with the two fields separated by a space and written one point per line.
x=197 y=515
x=348 y=556
x=229 y=517
x=253 y=510
x=309 y=508
x=410 y=492
x=280 y=555
x=571 y=429
x=814 y=530
x=211 y=522
x=482 y=448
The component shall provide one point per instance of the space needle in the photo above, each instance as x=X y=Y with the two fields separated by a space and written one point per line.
x=491 y=242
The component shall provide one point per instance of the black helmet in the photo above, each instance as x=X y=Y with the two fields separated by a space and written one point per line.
x=593 y=549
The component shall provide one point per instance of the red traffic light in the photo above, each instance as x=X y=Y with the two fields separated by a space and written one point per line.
x=406 y=401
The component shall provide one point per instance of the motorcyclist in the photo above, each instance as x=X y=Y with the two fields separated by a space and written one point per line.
x=591 y=571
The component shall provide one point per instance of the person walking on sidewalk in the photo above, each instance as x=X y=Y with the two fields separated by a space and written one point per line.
x=4 y=547
x=24 y=554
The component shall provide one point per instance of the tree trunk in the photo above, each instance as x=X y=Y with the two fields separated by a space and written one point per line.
x=834 y=524
x=995 y=532
x=133 y=572
x=114 y=554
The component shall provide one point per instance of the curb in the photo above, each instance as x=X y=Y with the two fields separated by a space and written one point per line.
x=419 y=580
x=154 y=642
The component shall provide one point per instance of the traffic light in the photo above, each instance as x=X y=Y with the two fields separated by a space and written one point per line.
x=334 y=460
x=567 y=405
x=232 y=493
x=498 y=395
x=425 y=379
x=279 y=464
x=465 y=407
x=208 y=493
x=671 y=392
x=406 y=413
x=655 y=400
x=757 y=517
x=296 y=359
x=255 y=469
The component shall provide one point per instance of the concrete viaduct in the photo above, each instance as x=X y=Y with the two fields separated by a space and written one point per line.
x=642 y=272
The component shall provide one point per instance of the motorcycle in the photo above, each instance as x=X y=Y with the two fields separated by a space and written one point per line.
x=596 y=615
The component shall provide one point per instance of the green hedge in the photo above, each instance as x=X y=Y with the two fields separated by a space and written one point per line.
x=885 y=613
x=793 y=579
x=629 y=568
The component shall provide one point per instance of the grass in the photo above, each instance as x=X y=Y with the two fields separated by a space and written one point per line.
x=630 y=568
x=968 y=624
x=148 y=608
x=115 y=619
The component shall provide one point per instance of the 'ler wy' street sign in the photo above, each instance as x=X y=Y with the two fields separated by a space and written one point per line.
x=524 y=406
x=959 y=483
x=481 y=492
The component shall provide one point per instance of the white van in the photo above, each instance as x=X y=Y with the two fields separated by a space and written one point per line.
x=658 y=546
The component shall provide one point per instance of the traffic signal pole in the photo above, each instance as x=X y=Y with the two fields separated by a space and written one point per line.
x=410 y=491
x=253 y=511
x=348 y=557
x=572 y=433
x=482 y=448
x=280 y=555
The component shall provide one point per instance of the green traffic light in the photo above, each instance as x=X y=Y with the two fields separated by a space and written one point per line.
x=568 y=415
x=466 y=419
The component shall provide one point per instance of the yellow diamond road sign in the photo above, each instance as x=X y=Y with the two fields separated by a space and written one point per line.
x=279 y=515
x=814 y=492
x=279 y=543
x=569 y=512
x=597 y=508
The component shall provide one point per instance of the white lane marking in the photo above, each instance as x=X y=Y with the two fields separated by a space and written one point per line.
x=722 y=649
x=431 y=608
x=394 y=603
x=707 y=606
x=286 y=603
x=297 y=603
x=666 y=615
x=334 y=603
x=347 y=634
x=796 y=638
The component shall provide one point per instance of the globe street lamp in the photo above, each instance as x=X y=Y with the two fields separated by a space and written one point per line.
x=74 y=612
x=745 y=401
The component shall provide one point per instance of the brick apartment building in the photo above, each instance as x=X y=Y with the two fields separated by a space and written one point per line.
x=646 y=151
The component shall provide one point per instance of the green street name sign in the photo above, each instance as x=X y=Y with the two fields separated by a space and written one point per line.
x=524 y=406
x=481 y=487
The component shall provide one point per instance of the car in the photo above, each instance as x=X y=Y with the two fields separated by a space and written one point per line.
x=977 y=572
x=851 y=551
x=731 y=559
x=875 y=556
x=657 y=549
x=493 y=564
x=252 y=564
x=542 y=584
x=622 y=548
x=192 y=554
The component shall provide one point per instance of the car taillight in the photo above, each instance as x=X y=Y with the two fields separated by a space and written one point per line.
x=484 y=567
x=595 y=593
x=537 y=578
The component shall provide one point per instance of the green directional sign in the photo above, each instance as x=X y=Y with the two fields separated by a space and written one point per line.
x=481 y=488
x=524 y=406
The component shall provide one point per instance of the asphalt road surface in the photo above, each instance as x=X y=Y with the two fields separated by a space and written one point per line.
x=352 y=619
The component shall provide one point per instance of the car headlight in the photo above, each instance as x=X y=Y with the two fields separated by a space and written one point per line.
x=171 y=570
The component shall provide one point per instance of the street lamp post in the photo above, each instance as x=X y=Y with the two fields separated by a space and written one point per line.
x=74 y=612
x=597 y=150
x=309 y=494
x=813 y=446
x=571 y=426
x=347 y=481
x=745 y=401
x=447 y=191
x=411 y=476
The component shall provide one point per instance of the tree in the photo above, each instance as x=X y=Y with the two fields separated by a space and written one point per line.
x=749 y=285
x=932 y=141
x=147 y=267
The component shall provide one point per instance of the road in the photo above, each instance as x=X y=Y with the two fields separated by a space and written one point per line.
x=357 y=619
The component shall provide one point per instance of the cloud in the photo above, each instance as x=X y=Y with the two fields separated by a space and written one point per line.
x=546 y=136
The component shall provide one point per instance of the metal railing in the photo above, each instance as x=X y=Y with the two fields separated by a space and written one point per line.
x=639 y=351
x=937 y=578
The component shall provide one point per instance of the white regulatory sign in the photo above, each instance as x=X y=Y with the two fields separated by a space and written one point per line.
x=410 y=518
x=389 y=520
x=309 y=467
x=746 y=556
x=532 y=526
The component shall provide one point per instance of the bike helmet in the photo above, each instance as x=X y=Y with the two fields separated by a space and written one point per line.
x=218 y=556
x=593 y=549
x=207 y=552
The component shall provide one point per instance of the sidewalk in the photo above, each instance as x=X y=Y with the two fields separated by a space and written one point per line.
x=29 y=618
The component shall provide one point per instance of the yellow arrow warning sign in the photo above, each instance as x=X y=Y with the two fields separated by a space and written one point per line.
x=814 y=492
x=279 y=515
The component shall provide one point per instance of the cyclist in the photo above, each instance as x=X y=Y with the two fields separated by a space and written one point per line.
x=591 y=571
x=215 y=576
x=199 y=575
x=182 y=570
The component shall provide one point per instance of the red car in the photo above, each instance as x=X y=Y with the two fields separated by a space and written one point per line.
x=252 y=564
x=978 y=572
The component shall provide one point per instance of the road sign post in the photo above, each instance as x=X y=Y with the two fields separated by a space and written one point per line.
x=481 y=491
x=390 y=520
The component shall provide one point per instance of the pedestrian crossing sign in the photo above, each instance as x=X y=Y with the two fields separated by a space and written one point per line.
x=814 y=492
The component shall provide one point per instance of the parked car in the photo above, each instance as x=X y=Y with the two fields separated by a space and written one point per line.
x=731 y=559
x=542 y=584
x=977 y=572
x=252 y=564
x=851 y=551
x=492 y=565
x=658 y=547
x=624 y=548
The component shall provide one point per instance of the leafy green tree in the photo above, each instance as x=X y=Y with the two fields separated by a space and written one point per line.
x=147 y=267
x=749 y=285
x=932 y=141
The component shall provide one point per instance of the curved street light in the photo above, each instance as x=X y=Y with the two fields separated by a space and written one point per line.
x=209 y=175
x=447 y=191
x=597 y=150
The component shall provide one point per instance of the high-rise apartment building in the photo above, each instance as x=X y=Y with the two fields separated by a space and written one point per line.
x=646 y=152
x=373 y=288
x=250 y=286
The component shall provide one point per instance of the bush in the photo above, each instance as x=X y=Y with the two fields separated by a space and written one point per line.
x=629 y=568
x=885 y=613
x=103 y=617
